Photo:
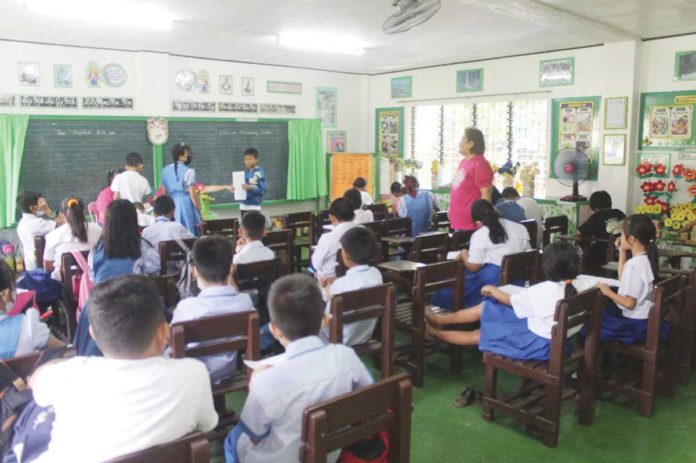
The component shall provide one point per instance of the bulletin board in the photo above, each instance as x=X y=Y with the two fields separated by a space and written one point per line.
x=575 y=125
x=667 y=121
x=344 y=168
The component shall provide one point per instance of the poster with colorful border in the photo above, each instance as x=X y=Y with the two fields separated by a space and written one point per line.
x=575 y=124
x=389 y=127
x=667 y=121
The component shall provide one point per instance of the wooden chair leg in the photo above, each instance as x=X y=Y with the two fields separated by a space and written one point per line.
x=418 y=358
x=647 y=402
x=553 y=413
x=587 y=383
x=668 y=386
x=490 y=391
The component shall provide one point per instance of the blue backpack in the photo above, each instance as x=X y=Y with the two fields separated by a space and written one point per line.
x=47 y=289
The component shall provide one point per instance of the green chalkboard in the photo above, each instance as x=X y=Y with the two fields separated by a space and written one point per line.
x=218 y=149
x=65 y=157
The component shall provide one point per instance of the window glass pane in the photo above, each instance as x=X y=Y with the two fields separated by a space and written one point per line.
x=456 y=118
x=492 y=120
x=426 y=141
x=529 y=134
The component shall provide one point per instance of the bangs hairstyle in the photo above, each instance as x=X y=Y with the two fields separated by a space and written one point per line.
x=74 y=211
x=560 y=261
x=121 y=235
x=359 y=244
x=296 y=306
x=643 y=229
x=254 y=223
x=251 y=152
x=212 y=257
x=600 y=200
x=484 y=212
x=396 y=188
x=27 y=199
x=342 y=209
x=359 y=183
x=353 y=195
x=164 y=205
x=134 y=159
x=124 y=314
x=475 y=136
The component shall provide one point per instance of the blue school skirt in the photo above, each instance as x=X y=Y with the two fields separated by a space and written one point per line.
x=489 y=274
x=617 y=328
x=503 y=333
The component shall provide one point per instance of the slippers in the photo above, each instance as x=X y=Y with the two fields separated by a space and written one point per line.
x=468 y=396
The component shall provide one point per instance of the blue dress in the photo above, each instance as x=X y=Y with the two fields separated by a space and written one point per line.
x=503 y=333
x=489 y=274
x=177 y=186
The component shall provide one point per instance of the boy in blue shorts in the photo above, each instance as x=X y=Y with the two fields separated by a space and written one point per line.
x=255 y=182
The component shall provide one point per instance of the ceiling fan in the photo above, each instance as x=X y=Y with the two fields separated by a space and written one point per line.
x=411 y=13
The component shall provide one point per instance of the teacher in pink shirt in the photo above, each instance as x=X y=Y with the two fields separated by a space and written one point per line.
x=473 y=180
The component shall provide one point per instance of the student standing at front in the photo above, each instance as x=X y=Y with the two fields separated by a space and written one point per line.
x=255 y=182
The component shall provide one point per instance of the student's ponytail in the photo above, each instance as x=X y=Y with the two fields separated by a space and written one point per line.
x=570 y=290
x=74 y=211
x=484 y=212
x=643 y=229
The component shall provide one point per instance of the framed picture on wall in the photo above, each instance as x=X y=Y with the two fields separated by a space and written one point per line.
x=470 y=80
x=247 y=86
x=401 y=87
x=62 y=76
x=327 y=106
x=615 y=113
x=226 y=85
x=685 y=65
x=614 y=150
x=555 y=72
x=336 y=141
x=390 y=132
x=29 y=74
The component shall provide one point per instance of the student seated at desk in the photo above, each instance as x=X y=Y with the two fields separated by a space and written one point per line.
x=212 y=264
x=106 y=196
x=250 y=248
x=270 y=425
x=604 y=222
x=361 y=185
x=35 y=222
x=341 y=216
x=357 y=250
x=417 y=204
x=361 y=215
x=132 y=398
x=496 y=238
x=397 y=192
x=507 y=205
x=164 y=227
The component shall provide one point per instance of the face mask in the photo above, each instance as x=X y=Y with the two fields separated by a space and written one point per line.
x=188 y=161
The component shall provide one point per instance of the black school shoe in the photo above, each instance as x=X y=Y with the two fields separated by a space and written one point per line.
x=468 y=396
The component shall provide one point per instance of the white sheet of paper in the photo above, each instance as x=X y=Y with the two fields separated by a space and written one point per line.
x=608 y=281
x=511 y=289
x=269 y=361
x=451 y=255
x=238 y=181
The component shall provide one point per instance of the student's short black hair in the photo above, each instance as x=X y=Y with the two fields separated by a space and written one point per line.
x=212 y=257
x=359 y=244
x=124 y=313
x=359 y=183
x=560 y=261
x=27 y=199
x=510 y=192
x=164 y=205
x=396 y=188
x=342 y=209
x=353 y=195
x=251 y=152
x=134 y=159
x=296 y=306
x=254 y=223
x=600 y=200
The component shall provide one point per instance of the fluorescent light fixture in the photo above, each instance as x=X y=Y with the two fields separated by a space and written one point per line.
x=330 y=43
x=114 y=13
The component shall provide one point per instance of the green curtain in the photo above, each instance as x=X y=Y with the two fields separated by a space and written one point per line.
x=12 y=132
x=306 y=168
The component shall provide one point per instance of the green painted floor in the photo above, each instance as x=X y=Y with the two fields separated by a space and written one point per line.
x=443 y=433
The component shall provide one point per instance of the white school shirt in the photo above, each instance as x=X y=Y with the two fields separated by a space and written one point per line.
x=211 y=301
x=366 y=198
x=483 y=251
x=313 y=373
x=637 y=281
x=538 y=303
x=164 y=229
x=533 y=211
x=324 y=255
x=61 y=240
x=106 y=408
x=29 y=226
x=131 y=186
x=253 y=251
x=34 y=334
x=358 y=277
x=363 y=216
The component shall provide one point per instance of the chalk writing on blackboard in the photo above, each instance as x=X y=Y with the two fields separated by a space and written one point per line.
x=106 y=102
x=238 y=107
x=48 y=101
x=183 y=105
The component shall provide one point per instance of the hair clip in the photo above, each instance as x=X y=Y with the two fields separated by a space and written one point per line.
x=73 y=202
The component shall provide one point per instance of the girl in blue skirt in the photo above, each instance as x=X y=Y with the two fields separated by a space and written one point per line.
x=518 y=325
x=626 y=320
x=496 y=238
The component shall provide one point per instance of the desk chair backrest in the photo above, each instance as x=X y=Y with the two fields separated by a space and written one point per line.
x=460 y=239
x=532 y=230
x=376 y=227
x=433 y=277
x=193 y=448
x=668 y=299
x=397 y=227
x=521 y=267
x=429 y=247
x=224 y=227
x=172 y=255
x=379 y=211
x=23 y=365
x=259 y=276
x=280 y=242
x=39 y=246
x=554 y=225
x=441 y=221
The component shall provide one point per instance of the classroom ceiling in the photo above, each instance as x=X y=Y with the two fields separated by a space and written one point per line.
x=463 y=30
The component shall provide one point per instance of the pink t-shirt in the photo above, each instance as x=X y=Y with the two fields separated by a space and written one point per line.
x=103 y=200
x=471 y=176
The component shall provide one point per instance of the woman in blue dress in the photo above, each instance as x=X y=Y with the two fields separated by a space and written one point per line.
x=179 y=182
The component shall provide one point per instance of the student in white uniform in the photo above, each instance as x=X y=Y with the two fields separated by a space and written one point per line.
x=626 y=319
x=357 y=249
x=212 y=262
x=34 y=222
x=24 y=333
x=361 y=185
x=250 y=248
x=132 y=398
x=131 y=185
x=533 y=211
x=74 y=235
x=341 y=216
x=496 y=238
x=361 y=215
x=165 y=228
x=270 y=425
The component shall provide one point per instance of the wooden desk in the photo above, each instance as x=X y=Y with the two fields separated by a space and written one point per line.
x=400 y=266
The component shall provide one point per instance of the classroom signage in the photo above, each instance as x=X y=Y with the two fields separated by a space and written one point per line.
x=238 y=107
x=277 y=108
x=33 y=101
x=575 y=126
x=667 y=120
x=114 y=75
x=7 y=100
x=106 y=103
x=201 y=106
x=274 y=86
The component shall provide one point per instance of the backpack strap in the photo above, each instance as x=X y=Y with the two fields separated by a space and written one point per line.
x=81 y=261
